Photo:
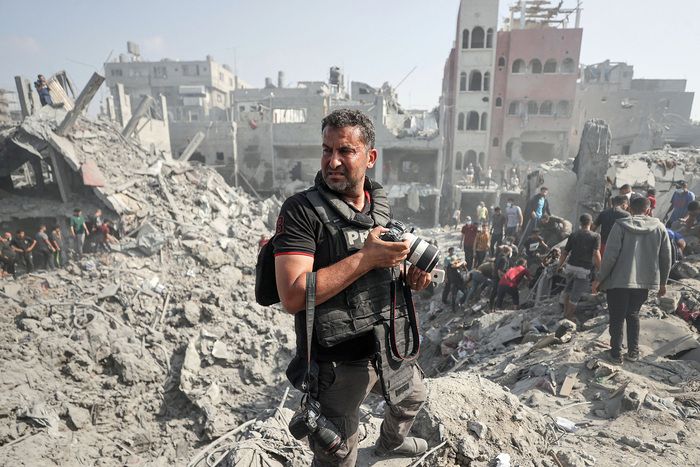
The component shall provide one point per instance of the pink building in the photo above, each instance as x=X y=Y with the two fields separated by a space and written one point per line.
x=534 y=94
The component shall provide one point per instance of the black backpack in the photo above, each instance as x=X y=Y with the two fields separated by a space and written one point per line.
x=265 y=283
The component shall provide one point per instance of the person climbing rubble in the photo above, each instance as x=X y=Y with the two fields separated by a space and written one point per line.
x=352 y=270
x=637 y=258
x=454 y=284
x=579 y=256
x=535 y=209
x=554 y=229
x=510 y=282
x=534 y=249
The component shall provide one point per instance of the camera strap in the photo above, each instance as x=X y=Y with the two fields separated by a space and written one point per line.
x=412 y=320
x=310 y=308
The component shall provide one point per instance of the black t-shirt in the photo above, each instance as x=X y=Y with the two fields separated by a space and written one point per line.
x=498 y=221
x=501 y=265
x=581 y=246
x=7 y=251
x=300 y=231
x=22 y=243
x=606 y=220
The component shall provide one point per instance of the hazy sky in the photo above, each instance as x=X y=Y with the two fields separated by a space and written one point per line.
x=373 y=40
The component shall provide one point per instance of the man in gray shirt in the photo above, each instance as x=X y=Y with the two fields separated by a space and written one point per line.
x=637 y=258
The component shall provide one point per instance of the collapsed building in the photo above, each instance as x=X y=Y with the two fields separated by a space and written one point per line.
x=155 y=354
x=279 y=139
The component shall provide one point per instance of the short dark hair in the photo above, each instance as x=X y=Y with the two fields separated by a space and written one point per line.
x=619 y=200
x=76 y=210
x=639 y=205
x=585 y=219
x=451 y=249
x=544 y=188
x=342 y=118
x=497 y=208
x=694 y=206
x=651 y=191
x=520 y=262
x=626 y=186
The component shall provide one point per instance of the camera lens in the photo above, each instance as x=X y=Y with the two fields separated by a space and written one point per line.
x=422 y=254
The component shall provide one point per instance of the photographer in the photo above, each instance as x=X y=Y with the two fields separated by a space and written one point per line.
x=355 y=273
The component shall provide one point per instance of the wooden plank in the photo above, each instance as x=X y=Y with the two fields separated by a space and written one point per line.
x=568 y=384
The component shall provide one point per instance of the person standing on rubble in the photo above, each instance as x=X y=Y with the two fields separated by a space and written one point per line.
x=8 y=256
x=24 y=246
x=469 y=232
x=482 y=244
x=637 y=258
x=514 y=216
x=606 y=219
x=679 y=203
x=498 y=226
x=78 y=229
x=42 y=88
x=581 y=253
x=44 y=249
x=56 y=238
x=535 y=209
x=482 y=213
x=354 y=270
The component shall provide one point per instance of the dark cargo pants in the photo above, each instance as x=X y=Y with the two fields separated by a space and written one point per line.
x=342 y=389
x=624 y=305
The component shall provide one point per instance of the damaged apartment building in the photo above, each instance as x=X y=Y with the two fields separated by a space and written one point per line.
x=518 y=97
x=643 y=114
x=279 y=140
x=192 y=98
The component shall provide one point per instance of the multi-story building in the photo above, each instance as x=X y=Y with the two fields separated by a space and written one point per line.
x=5 y=114
x=197 y=93
x=279 y=140
x=535 y=85
x=466 y=95
x=643 y=114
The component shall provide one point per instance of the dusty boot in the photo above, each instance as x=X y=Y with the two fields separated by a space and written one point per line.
x=409 y=448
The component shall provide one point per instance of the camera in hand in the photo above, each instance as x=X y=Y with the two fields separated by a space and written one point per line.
x=308 y=421
x=422 y=254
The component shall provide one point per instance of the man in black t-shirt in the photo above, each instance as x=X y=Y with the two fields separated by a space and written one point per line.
x=303 y=244
x=606 y=219
x=582 y=251
x=24 y=245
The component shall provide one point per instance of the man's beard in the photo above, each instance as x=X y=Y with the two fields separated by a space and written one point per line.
x=342 y=186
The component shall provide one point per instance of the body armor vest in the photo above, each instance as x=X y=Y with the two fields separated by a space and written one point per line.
x=367 y=301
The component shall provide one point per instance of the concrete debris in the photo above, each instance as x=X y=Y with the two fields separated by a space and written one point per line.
x=140 y=355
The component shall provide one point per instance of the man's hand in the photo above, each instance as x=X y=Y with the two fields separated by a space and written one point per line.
x=594 y=287
x=662 y=291
x=417 y=279
x=377 y=253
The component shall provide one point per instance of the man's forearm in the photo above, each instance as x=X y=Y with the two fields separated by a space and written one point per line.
x=330 y=281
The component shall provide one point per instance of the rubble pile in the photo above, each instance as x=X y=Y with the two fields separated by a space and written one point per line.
x=143 y=355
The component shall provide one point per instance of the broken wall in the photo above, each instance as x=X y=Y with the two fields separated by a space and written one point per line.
x=590 y=166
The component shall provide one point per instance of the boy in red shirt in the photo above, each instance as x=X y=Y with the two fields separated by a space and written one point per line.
x=651 y=196
x=509 y=284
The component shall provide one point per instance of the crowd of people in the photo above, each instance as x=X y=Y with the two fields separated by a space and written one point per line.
x=624 y=251
x=49 y=249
